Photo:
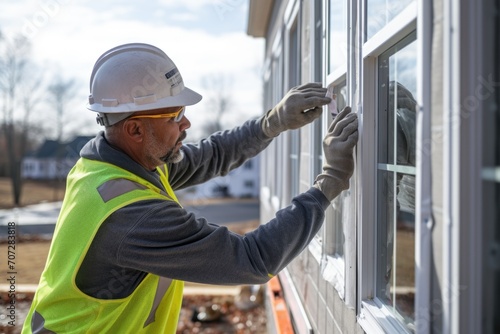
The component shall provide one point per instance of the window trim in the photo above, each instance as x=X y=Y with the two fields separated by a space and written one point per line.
x=462 y=241
x=403 y=24
x=339 y=273
x=373 y=316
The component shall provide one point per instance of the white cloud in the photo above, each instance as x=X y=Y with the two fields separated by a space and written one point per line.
x=77 y=32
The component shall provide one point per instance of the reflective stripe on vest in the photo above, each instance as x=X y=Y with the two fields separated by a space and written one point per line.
x=161 y=290
x=117 y=187
x=37 y=324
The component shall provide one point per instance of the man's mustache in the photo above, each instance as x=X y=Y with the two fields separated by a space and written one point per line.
x=182 y=137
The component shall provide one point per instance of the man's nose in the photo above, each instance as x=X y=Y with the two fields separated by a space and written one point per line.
x=185 y=123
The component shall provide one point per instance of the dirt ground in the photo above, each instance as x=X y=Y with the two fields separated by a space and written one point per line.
x=31 y=255
x=32 y=192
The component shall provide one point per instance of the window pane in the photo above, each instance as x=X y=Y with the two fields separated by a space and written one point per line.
x=396 y=137
x=336 y=215
x=396 y=240
x=381 y=12
x=337 y=34
x=397 y=87
x=491 y=271
x=294 y=63
x=491 y=174
x=341 y=91
x=318 y=41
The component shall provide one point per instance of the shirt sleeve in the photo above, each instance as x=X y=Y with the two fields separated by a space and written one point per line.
x=218 y=154
x=171 y=242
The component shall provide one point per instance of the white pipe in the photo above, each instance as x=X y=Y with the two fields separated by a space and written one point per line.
x=451 y=167
x=447 y=189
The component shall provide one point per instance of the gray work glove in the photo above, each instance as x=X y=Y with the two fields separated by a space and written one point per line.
x=338 y=146
x=300 y=106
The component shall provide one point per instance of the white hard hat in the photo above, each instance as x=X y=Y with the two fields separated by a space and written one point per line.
x=135 y=77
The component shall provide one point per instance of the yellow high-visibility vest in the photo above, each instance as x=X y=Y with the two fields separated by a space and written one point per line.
x=94 y=191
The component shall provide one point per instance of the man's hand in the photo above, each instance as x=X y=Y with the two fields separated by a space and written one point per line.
x=338 y=145
x=300 y=106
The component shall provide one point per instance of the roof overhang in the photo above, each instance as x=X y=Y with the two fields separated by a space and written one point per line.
x=259 y=12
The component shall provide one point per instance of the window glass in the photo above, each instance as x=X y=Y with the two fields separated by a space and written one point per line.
x=318 y=41
x=380 y=12
x=316 y=134
x=491 y=172
x=396 y=177
x=293 y=54
x=337 y=43
x=335 y=215
x=249 y=184
x=294 y=139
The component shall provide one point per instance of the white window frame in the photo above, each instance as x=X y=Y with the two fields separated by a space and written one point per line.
x=291 y=139
x=373 y=316
x=462 y=239
x=338 y=272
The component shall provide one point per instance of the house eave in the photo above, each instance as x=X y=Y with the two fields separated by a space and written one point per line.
x=259 y=12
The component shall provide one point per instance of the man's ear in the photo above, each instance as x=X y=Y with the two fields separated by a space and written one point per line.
x=134 y=129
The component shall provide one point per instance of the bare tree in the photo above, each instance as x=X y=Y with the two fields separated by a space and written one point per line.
x=61 y=93
x=14 y=58
x=219 y=101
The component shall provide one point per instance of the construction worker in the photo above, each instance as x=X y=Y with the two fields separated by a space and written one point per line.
x=123 y=245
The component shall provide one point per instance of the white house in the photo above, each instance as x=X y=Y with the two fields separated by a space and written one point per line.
x=239 y=183
x=53 y=160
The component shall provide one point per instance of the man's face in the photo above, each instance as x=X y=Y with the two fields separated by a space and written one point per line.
x=163 y=140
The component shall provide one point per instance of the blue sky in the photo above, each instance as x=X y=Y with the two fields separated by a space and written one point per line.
x=203 y=37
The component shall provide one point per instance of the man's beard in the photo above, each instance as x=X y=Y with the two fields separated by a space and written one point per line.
x=175 y=157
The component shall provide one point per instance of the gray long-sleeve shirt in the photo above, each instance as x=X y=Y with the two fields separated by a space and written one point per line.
x=161 y=237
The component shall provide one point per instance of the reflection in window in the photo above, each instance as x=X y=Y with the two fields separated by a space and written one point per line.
x=381 y=12
x=249 y=184
x=337 y=34
x=491 y=177
x=293 y=80
x=396 y=179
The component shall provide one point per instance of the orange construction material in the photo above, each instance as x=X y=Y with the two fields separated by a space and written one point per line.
x=279 y=310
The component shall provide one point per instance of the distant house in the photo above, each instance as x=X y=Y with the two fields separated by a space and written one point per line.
x=53 y=159
x=240 y=182
x=244 y=181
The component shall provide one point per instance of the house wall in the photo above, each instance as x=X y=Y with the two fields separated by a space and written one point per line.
x=413 y=245
x=244 y=181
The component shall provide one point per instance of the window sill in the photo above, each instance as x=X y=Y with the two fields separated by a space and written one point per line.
x=374 y=317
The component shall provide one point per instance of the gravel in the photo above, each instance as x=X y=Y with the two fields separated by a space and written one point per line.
x=200 y=314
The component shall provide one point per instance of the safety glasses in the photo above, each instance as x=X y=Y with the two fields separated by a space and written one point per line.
x=177 y=115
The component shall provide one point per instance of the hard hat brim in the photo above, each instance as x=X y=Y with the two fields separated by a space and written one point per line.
x=187 y=97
